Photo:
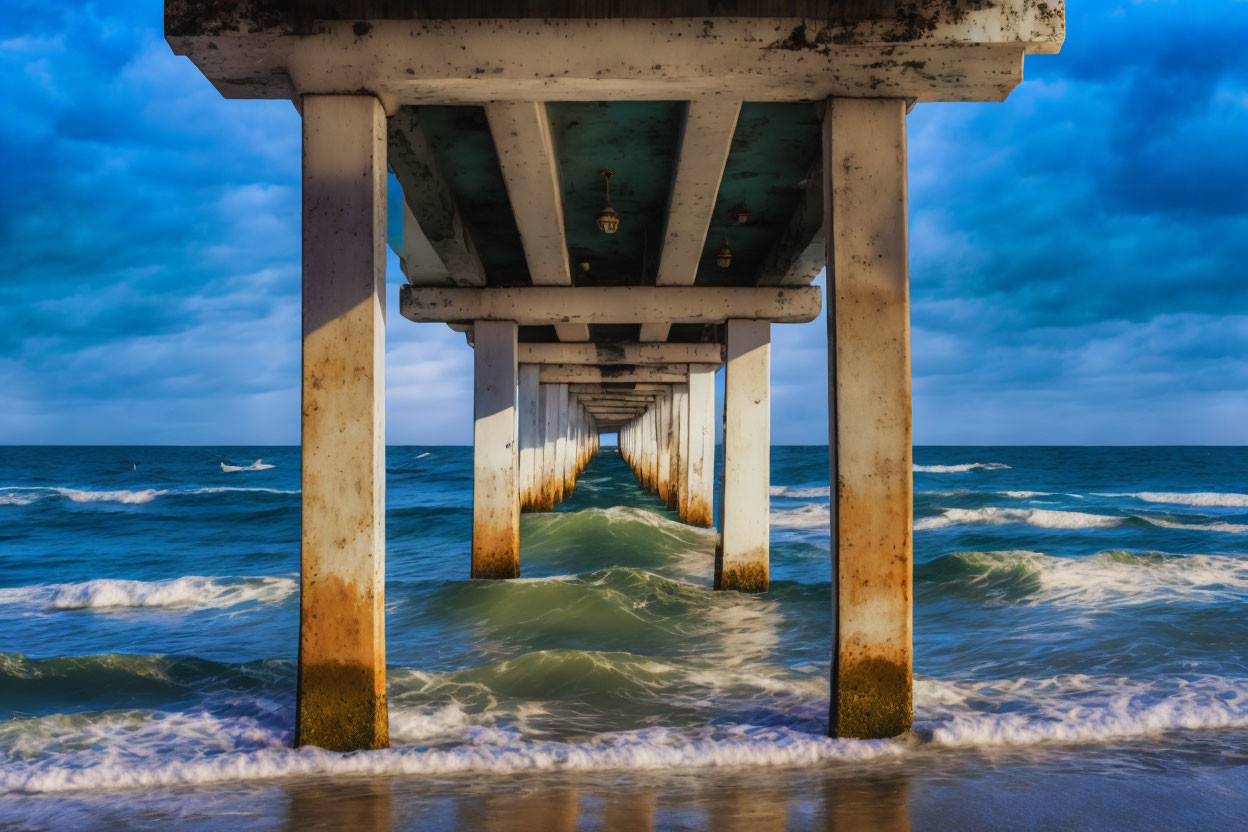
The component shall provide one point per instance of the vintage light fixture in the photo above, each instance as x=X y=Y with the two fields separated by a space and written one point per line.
x=608 y=219
x=723 y=258
x=740 y=214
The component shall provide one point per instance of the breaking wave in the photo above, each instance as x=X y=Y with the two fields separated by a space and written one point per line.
x=1112 y=578
x=1204 y=499
x=190 y=592
x=258 y=465
x=799 y=493
x=959 y=469
x=1053 y=519
x=27 y=495
x=812 y=516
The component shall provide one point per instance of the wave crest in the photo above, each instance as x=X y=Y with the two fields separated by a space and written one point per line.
x=959 y=469
x=189 y=592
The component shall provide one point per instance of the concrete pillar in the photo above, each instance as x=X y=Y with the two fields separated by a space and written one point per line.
x=665 y=447
x=561 y=444
x=550 y=437
x=530 y=448
x=569 y=457
x=341 y=697
x=680 y=397
x=869 y=415
x=741 y=561
x=495 y=495
x=701 y=445
x=673 y=451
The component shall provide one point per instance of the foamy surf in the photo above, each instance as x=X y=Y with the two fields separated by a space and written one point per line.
x=258 y=465
x=1105 y=580
x=190 y=592
x=960 y=468
x=812 y=516
x=1200 y=499
x=799 y=493
x=1054 y=519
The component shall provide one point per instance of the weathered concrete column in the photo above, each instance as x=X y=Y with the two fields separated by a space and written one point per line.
x=569 y=454
x=341 y=697
x=673 y=451
x=680 y=394
x=561 y=443
x=701 y=445
x=664 y=449
x=869 y=416
x=530 y=446
x=495 y=494
x=550 y=440
x=741 y=561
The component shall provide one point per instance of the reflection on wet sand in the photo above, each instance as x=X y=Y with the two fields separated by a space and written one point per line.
x=770 y=801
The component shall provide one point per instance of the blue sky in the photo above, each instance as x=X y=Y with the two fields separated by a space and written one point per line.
x=1077 y=253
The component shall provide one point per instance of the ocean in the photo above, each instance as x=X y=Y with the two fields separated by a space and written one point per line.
x=1081 y=651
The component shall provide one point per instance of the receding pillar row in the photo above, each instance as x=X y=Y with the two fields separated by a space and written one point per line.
x=869 y=415
x=495 y=493
x=742 y=558
x=341 y=697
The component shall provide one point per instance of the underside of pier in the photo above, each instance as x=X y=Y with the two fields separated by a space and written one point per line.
x=612 y=201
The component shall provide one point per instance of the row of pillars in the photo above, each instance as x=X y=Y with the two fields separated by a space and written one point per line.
x=530 y=442
x=671 y=446
x=558 y=437
x=341 y=680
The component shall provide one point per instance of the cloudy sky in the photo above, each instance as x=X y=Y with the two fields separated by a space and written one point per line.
x=1077 y=253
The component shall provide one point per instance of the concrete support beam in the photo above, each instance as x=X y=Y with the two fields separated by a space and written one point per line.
x=437 y=246
x=869 y=409
x=799 y=254
x=742 y=559
x=530 y=436
x=495 y=495
x=701 y=445
x=526 y=155
x=621 y=353
x=706 y=138
x=341 y=697
x=580 y=373
x=611 y=304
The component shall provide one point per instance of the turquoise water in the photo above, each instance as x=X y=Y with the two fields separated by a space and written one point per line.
x=1079 y=622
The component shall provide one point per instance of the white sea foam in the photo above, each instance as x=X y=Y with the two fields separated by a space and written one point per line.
x=799 y=493
x=1054 y=519
x=145 y=495
x=190 y=592
x=128 y=749
x=959 y=469
x=1106 y=579
x=422 y=456
x=812 y=516
x=258 y=465
x=27 y=495
x=1074 y=709
x=1200 y=498
x=12 y=499
x=1039 y=517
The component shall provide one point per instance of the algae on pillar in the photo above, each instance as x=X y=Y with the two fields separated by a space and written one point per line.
x=495 y=492
x=869 y=416
x=530 y=448
x=341 y=695
x=701 y=445
x=741 y=561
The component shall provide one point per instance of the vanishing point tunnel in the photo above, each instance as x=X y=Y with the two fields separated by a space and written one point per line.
x=611 y=200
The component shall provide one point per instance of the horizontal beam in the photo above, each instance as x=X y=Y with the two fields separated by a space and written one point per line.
x=620 y=353
x=582 y=374
x=541 y=305
x=932 y=53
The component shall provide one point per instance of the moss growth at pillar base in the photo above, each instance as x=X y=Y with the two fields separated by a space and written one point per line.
x=340 y=709
x=496 y=568
x=872 y=699
x=750 y=577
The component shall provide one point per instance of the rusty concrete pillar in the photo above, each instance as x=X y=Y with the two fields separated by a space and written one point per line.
x=495 y=494
x=701 y=445
x=341 y=696
x=550 y=439
x=869 y=411
x=530 y=445
x=742 y=556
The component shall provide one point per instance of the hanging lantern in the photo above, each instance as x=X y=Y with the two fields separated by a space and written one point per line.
x=608 y=219
x=740 y=214
x=723 y=258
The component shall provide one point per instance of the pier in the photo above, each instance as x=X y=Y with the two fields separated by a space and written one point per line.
x=612 y=202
